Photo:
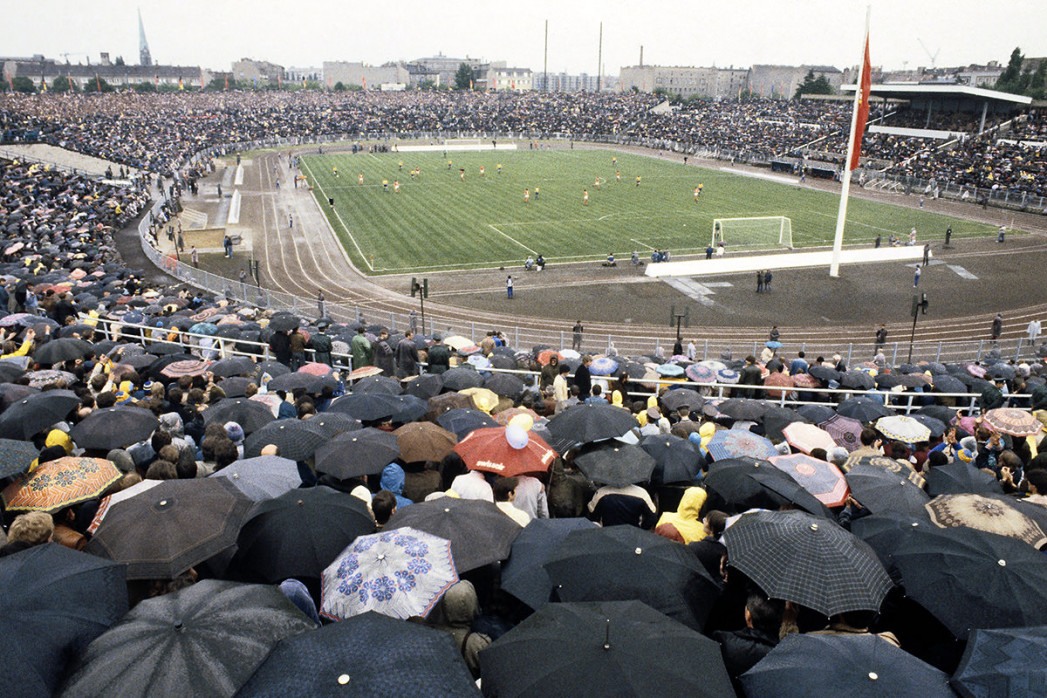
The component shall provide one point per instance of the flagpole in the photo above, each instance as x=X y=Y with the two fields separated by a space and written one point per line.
x=845 y=189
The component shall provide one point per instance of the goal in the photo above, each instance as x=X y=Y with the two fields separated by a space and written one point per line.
x=760 y=232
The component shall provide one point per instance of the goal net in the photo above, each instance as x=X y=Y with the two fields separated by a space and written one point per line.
x=760 y=232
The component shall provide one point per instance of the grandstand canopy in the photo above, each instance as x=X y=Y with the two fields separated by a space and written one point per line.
x=965 y=96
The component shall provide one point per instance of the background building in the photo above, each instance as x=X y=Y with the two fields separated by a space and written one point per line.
x=372 y=77
x=260 y=72
x=781 y=81
x=685 y=81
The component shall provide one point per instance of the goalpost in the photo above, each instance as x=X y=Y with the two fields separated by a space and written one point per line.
x=754 y=232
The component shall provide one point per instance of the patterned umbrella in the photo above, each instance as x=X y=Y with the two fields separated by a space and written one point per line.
x=901 y=428
x=728 y=376
x=806 y=380
x=1009 y=420
x=189 y=367
x=701 y=374
x=844 y=431
x=316 y=369
x=364 y=372
x=503 y=417
x=42 y=379
x=670 y=370
x=59 y=483
x=603 y=366
x=823 y=480
x=735 y=443
x=490 y=450
x=778 y=379
x=985 y=514
x=399 y=573
x=798 y=557
x=807 y=437
x=1010 y=662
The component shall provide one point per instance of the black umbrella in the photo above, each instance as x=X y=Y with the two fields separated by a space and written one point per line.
x=114 y=427
x=881 y=491
x=972 y=579
x=139 y=361
x=613 y=648
x=940 y=412
x=367 y=407
x=524 y=575
x=284 y=322
x=236 y=386
x=289 y=382
x=587 y=423
x=462 y=421
x=479 y=531
x=273 y=368
x=825 y=373
x=206 y=639
x=676 y=460
x=251 y=415
x=673 y=400
x=862 y=666
x=167 y=529
x=233 y=366
x=460 y=378
x=333 y=423
x=61 y=349
x=505 y=385
x=857 y=380
x=355 y=453
x=811 y=561
x=31 y=414
x=16 y=456
x=864 y=409
x=622 y=563
x=10 y=371
x=1009 y=662
x=298 y=534
x=744 y=409
x=936 y=426
x=885 y=532
x=777 y=418
x=365 y=655
x=959 y=478
x=816 y=414
x=377 y=384
x=424 y=386
x=55 y=602
x=736 y=485
x=295 y=438
x=503 y=361
x=616 y=464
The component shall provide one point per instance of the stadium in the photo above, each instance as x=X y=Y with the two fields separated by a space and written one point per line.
x=263 y=346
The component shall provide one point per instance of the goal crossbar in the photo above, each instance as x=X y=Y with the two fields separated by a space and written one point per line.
x=753 y=232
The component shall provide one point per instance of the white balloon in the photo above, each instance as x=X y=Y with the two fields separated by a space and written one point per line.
x=516 y=436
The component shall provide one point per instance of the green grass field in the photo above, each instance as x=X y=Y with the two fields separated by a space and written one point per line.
x=438 y=221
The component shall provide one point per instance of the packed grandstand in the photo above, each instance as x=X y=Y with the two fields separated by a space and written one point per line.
x=124 y=403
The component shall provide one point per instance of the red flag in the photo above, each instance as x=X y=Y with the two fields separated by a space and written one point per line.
x=329 y=82
x=365 y=81
x=201 y=80
x=10 y=80
x=227 y=82
x=280 y=82
x=70 y=80
x=98 y=83
x=863 y=107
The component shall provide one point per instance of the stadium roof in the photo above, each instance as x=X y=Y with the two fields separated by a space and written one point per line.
x=915 y=91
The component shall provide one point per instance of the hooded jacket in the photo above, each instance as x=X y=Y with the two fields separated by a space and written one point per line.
x=393 y=480
x=687 y=518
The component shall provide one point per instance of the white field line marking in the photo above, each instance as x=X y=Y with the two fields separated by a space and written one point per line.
x=339 y=217
x=511 y=239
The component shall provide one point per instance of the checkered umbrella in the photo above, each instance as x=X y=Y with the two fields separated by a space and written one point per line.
x=1013 y=421
x=59 y=483
x=296 y=439
x=797 y=557
x=844 y=431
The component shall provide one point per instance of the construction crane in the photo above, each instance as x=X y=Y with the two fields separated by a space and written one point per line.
x=932 y=56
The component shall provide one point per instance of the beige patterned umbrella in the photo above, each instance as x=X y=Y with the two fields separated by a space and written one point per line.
x=985 y=514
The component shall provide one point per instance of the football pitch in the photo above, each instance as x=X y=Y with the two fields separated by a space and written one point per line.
x=440 y=220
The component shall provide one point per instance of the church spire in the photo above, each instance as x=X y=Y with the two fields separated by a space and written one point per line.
x=143 y=46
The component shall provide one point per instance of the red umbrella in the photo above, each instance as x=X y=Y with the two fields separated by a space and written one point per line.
x=1009 y=420
x=545 y=356
x=806 y=380
x=823 y=480
x=316 y=369
x=490 y=450
x=59 y=483
x=807 y=437
x=778 y=379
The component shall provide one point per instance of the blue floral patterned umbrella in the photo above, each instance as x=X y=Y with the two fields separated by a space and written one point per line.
x=400 y=573
x=729 y=376
x=735 y=443
x=701 y=374
x=603 y=366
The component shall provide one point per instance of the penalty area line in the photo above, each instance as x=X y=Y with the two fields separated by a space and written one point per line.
x=641 y=244
x=511 y=239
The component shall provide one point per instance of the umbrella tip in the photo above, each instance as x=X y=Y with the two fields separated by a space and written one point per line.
x=638 y=551
x=343 y=679
x=607 y=633
x=873 y=676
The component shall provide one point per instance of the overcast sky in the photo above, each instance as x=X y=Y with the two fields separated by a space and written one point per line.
x=213 y=33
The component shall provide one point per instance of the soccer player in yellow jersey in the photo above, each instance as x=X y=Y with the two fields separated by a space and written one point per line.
x=614 y=161
x=385 y=184
x=499 y=168
x=637 y=180
x=401 y=166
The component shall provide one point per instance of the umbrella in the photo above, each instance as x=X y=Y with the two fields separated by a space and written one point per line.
x=295 y=439
x=355 y=453
x=284 y=322
x=971 y=579
x=882 y=491
x=823 y=480
x=673 y=400
x=35 y=412
x=42 y=379
x=60 y=483
x=699 y=374
x=377 y=384
x=364 y=372
x=985 y=514
x=316 y=369
x=162 y=532
x=110 y=500
x=744 y=409
x=797 y=557
x=424 y=386
x=936 y=426
x=949 y=384
x=940 y=412
x=16 y=456
x=807 y=437
x=776 y=419
x=736 y=443
x=779 y=379
x=233 y=366
x=603 y=366
x=893 y=465
x=289 y=382
x=905 y=429
x=55 y=602
x=298 y=534
x=188 y=367
x=481 y=398
x=1009 y=420
x=367 y=407
x=114 y=427
x=506 y=451
x=624 y=563
x=61 y=349
x=613 y=648
x=864 y=409
x=399 y=573
x=616 y=464
x=1010 y=662
x=858 y=380
x=824 y=374
x=524 y=575
x=738 y=484
x=676 y=460
x=460 y=378
x=885 y=532
x=424 y=441
x=204 y=328
x=479 y=531
x=862 y=666
x=264 y=477
x=545 y=356
x=462 y=421
x=670 y=370
x=274 y=368
x=206 y=639
x=366 y=655
x=249 y=414
x=958 y=477
x=809 y=382
x=505 y=385
x=844 y=431
x=332 y=423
